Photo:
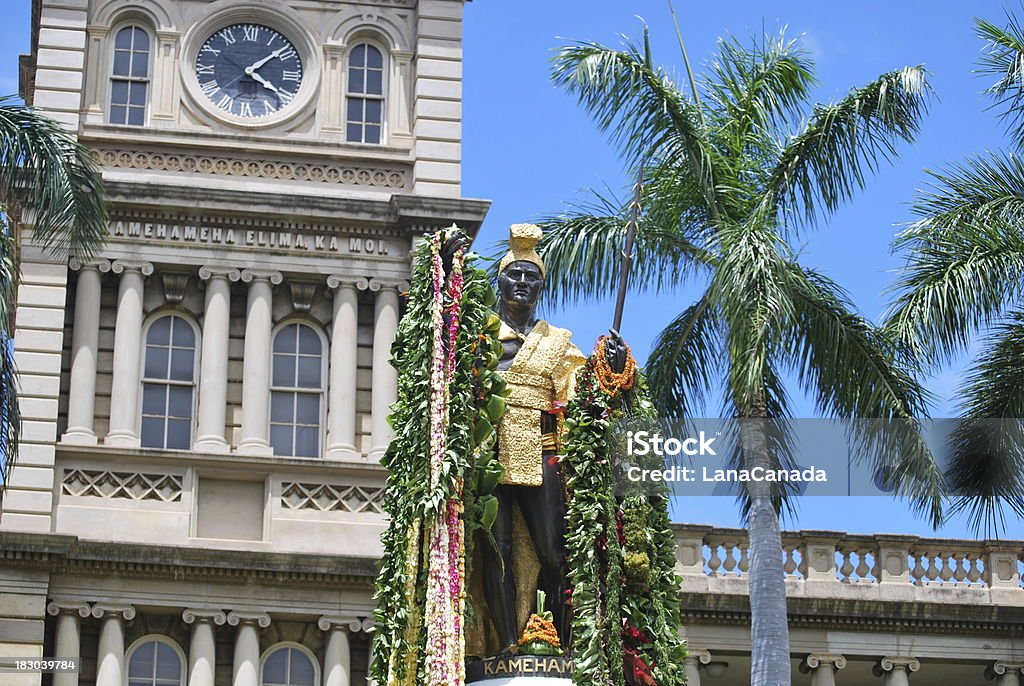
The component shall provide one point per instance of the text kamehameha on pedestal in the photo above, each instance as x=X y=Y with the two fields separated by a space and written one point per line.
x=646 y=443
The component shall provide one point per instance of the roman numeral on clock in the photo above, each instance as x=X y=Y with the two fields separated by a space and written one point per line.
x=250 y=32
x=245 y=109
x=209 y=87
x=291 y=76
x=268 y=108
x=225 y=102
x=228 y=36
x=204 y=70
x=286 y=96
x=210 y=49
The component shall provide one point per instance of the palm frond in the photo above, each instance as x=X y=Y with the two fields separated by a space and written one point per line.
x=10 y=421
x=823 y=165
x=646 y=113
x=954 y=282
x=1003 y=60
x=582 y=251
x=44 y=169
x=986 y=468
x=686 y=360
x=757 y=88
x=849 y=367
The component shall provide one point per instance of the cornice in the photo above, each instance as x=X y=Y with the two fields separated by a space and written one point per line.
x=861 y=615
x=410 y=214
x=71 y=555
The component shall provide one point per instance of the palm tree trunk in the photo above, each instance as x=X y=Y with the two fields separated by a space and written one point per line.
x=769 y=629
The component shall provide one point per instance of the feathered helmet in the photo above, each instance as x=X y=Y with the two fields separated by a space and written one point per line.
x=522 y=243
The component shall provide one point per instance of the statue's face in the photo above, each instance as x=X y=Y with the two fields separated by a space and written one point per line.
x=520 y=283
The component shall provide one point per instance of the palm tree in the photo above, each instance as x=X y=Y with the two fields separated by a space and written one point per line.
x=964 y=277
x=728 y=188
x=46 y=174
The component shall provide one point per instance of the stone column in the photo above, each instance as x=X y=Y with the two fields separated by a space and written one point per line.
x=337 y=659
x=84 y=350
x=213 y=373
x=68 y=636
x=341 y=416
x=896 y=670
x=246 y=670
x=823 y=668
x=110 y=657
x=202 y=650
x=1005 y=673
x=124 y=401
x=384 y=377
x=691 y=665
x=256 y=364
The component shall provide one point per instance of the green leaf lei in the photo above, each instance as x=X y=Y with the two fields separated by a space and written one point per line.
x=617 y=540
x=411 y=504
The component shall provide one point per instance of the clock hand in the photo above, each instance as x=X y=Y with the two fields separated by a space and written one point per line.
x=251 y=69
x=266 y=84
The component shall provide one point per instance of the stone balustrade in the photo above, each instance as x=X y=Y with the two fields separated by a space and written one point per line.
x=834 y=564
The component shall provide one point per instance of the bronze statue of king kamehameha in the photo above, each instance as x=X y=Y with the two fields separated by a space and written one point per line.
x=539 y=363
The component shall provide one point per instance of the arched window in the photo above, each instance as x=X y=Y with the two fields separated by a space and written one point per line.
x=129 y=80
x=153 y=662
x=168 y=384
x=288 y=666
x=296 y=394
x=365 y=107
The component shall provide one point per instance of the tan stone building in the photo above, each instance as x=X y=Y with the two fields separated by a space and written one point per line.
x=197 y=501
x=198 y=497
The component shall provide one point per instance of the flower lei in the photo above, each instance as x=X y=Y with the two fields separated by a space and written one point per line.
x=441 y=471
x=621 y=553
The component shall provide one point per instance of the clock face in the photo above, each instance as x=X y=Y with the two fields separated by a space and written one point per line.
x=249 y=70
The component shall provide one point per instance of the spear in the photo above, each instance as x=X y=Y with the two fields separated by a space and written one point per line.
x=627 y=254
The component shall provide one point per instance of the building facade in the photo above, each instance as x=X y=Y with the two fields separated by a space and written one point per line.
x=197 y=500
x=208 y=397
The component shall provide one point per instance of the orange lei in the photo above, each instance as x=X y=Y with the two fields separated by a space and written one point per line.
x=540 y=629
x=610 y=381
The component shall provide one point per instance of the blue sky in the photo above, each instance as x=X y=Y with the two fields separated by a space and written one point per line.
x=529 y=148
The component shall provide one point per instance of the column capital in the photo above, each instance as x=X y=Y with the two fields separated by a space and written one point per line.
x=63 y=607
x=98 y=264
x=1001 y=667
x=699 y=655
x=213 y=271
x=815 y=660
x=335 y=281
x=262 y=619
x=101 y=610
x=250 y=275
x=402 y=55
x=900 y=663
x=198 y=615
x=388 y=284
x=119 y=266
x=350 y=622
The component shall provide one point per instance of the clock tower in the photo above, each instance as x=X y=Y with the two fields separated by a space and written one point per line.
x=197 y=500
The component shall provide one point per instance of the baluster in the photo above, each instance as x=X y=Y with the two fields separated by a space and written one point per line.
x=744 y=558
x=948 y=561
x=788 y=562
x=862 y=564
x=730 y=557
x=714 y=561
x=846 y=571
x=975 y=573
x=916 y=571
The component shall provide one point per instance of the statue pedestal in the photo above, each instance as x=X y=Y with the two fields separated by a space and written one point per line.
x=520 y=670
